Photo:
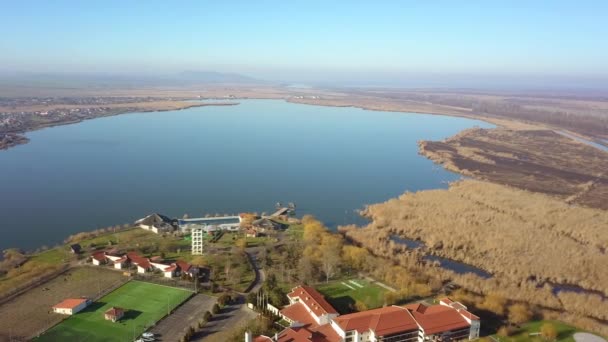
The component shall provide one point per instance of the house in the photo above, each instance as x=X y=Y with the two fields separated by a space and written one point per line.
x=143 y=264
x=99 y=258
x=71 y=306
x=121 y=263
x=75 y=248
x=187 y=269
x=156 y=223
x=265 y=225
x=312 y=318
x=114 y=314
x=251 y=233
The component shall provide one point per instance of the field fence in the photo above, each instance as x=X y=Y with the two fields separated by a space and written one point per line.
x=171 y=282
x=102 y=293
x=32 y=283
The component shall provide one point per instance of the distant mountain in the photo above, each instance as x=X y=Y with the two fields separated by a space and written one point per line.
x=76 y=79
x=212 y=77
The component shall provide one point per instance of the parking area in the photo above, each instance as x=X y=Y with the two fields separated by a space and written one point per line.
x=172 y=327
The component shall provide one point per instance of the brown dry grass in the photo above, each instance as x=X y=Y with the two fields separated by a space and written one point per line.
x=523 y=238
x=541 y=161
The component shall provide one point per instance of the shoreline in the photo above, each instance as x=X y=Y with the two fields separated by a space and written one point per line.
x=18 y=136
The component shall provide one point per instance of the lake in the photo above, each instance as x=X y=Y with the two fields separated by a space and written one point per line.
x=330 y=161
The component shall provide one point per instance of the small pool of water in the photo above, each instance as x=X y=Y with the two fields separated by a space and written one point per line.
x=449 y=264
x=411 y=244
x=585 y=141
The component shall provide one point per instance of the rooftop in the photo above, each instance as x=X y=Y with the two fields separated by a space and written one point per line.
x=313 y=299
x=383 y=321
x=115 y=311
x=437 y=318
x=70 y=303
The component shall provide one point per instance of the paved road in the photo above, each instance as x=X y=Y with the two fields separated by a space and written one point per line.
x=587 y=337
x=223 y=325
x=172 y=327
x=260 y=276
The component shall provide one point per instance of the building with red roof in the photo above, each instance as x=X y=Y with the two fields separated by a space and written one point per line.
x=114 y=314
x=393 y=323
x=312 y=303
x=313 y=319
x=71 y=306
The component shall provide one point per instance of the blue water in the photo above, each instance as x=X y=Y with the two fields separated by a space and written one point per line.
x=329 y=161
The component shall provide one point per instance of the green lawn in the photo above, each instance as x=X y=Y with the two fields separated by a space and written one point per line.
x=145 y=304
x=344 y=298
x=564 y=332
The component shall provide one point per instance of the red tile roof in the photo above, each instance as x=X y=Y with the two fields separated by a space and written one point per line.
x=184 y=266
x=262 y=338
x=139 y=260
x=99 y=256
x=70 y=303
x=171 y=268
x=313 y=299
x=295 y=335
x=383 y=321
x=297 y=312
x=325 y=333
x=437 y=318
x=115 y=311
x=121 y=260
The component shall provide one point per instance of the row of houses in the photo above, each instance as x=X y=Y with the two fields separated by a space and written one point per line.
x=312 y=318
x=144 y=265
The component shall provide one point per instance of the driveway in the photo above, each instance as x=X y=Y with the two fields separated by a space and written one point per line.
x=224 y=324
x=172 y=328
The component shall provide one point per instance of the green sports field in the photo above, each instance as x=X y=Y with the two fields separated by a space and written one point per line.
x=343 y=294
x=145 y=304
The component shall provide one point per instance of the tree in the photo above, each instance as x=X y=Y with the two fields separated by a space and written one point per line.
x=331 y=246
x=207 y=316
x=505 y=331
x=271 y=282
x=252 y=298
x=494 y=303
x=199 y=261
x=548 y=332
x=360 y=306
x=306 y=270
x=519 y=313
x=241 y=243
x=355 y=257
x=215 y=309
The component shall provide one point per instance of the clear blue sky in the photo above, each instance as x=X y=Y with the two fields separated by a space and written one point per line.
x=264 y=38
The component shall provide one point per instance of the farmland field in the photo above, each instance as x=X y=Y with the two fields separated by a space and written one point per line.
x=343 y=294
x=144 y=304
x=28 y=314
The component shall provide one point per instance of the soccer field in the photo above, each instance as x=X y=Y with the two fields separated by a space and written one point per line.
x=343 y=294
x=144 y=303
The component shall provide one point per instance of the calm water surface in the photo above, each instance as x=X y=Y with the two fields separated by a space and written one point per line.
x=329 y=161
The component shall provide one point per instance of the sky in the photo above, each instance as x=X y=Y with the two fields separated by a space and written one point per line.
x=307 y=40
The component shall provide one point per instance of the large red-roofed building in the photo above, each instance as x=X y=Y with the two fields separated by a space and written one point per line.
x=313 y=319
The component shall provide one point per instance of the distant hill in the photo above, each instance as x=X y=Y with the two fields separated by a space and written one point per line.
x=108 y=80
x=206 y=77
